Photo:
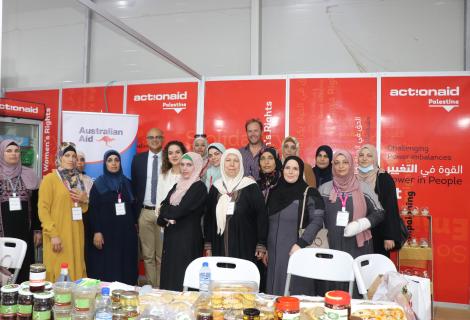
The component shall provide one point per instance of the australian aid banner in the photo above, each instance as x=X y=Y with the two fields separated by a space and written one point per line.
x=339 y=112
x=95 y=133
x=171 y=107
x=425 y=147
x=229 y=103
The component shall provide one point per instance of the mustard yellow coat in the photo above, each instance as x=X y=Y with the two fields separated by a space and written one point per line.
x=55 y=213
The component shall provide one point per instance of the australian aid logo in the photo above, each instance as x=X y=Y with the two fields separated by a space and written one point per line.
x=447 y=97
x=176 y=101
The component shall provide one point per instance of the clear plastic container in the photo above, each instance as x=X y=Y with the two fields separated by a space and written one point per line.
x=233 y=295
x=62 y=313
x=63 y=293
x=84 y=299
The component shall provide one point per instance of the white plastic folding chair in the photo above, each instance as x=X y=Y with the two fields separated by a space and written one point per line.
x=320 y=264
x=12 y=253
x=222 y=268
x=368 y=267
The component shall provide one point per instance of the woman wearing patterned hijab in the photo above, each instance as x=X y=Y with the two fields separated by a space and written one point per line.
x=18 y=202
x=236 y=220
x=62 y=201
x=180 y=215
x=386 y=236
x=351 y=209
x=269 y=170
x=112 y=248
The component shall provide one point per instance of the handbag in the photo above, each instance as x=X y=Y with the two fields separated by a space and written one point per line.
x=403 y=236
x=321 y=239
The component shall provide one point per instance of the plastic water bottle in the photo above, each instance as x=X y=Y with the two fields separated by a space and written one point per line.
x=64 y=273
x=204 y=277
x=104 y=310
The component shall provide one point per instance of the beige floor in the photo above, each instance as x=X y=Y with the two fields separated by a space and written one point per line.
x=451 y=314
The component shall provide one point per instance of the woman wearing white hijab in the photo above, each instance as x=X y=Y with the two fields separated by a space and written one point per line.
x=236 y=221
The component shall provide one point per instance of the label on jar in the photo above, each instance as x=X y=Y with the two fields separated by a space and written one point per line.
x=8 y=309
x=335 y=314
x=82 y=303
x=42 y=315
x=37 y=279
x=60 y=317
x=290 y=316
x=25 y=308
x=63 y=298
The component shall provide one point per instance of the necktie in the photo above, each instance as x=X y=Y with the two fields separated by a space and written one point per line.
x=154 y=179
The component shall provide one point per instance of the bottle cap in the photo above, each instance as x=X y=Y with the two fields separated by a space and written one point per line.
x=105 y=291
x=287 y=304
x=251 y=312
x=64 y=265
x=337 y=297
x=205 y=264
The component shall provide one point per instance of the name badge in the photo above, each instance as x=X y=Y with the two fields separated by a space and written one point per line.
x=76 y=213
x=230 y=208
x=120 y=208
x=342 y=218
x=14 y=203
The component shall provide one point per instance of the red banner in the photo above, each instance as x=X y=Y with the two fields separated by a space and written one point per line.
x=228 y=104
x=425 y=143
x=172 y=107
x=93 y=99
x=50 y=98
x=339 y=112
x=21 y=109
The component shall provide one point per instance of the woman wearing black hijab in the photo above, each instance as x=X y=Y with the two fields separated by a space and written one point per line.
x=323 y=166
x=112 y=255
x=269 y=170
x=285 y=210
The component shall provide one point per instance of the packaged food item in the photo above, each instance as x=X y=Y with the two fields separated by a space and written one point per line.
x=236 y=295
x=62 y=313
x=42 y=308
x=9 y=301
x=251 y=314
x=63 y=294
x=37 y=277
x=84 y=298
x=25 y=304
x=204 y=314
x=287 y=308
x=337 y=305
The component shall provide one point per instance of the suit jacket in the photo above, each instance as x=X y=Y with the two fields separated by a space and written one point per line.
x=139 y=179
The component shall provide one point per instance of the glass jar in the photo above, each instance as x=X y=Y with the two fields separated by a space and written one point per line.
x=42 y=309
x=116 y=299
x=337 y=305
x=119 y=314
x=129 y=299
x=287 y=308
x=9 y=298
x=25 y=304
x=131 y=313
x=37 y=277
x=204 y=314
x=251 y=314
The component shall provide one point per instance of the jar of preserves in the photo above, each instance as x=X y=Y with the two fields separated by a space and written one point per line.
x=116 y=299
x=43 y=302
x=251 y=314
x=337 y=305
x=131 y=313
x=119 y=314
x=25 y=304
x=204 y=314
x=129 y=299
x=9 y=298
x=37 y=277
x=287 y=308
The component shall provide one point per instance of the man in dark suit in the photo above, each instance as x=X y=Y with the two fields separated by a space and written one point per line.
x=146 y=167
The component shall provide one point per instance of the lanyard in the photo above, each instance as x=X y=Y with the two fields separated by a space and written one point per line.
x=14 y=188
x=230 y=193
x=343 y=200
x=119 y=197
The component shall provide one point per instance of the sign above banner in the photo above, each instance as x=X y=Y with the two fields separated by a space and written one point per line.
x=21 y=109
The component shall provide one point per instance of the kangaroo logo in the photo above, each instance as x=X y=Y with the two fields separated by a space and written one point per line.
x=106 y=140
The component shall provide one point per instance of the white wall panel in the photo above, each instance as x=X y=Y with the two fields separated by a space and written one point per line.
x=42 y=42
x=212 y=37
x=362 y=36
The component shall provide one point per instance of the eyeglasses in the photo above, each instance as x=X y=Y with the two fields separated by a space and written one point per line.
x=155 y=137
x=66 y=144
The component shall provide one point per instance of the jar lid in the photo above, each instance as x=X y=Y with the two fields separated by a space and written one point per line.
x=25 y=292
x=24 y=285
x=251 y=312
x=204 y=312
x=117 y=292
x=43 y=295
x=338 y=297
x=47 y=285
x=287 y=304
x=10 y=288
x=37 y=267
x=127 y=295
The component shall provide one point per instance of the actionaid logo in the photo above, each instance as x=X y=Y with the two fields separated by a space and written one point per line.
x=25 y=109
x=170 y=101
x=446 y=98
